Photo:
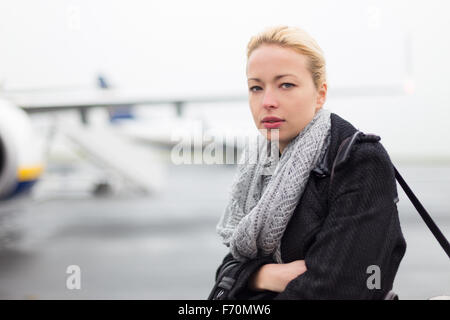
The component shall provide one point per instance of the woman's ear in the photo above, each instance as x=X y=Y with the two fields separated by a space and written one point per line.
x=321 y=96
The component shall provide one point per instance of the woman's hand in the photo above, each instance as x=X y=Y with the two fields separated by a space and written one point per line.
x=275 y=277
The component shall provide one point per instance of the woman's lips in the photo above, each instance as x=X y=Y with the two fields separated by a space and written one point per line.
x=272 y=125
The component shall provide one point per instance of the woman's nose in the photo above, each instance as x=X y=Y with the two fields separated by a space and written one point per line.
x=269 y=100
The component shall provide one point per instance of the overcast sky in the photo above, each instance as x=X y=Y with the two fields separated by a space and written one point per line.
x=198 y=47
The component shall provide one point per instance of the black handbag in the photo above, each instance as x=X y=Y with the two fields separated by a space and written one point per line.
x=225 y=280
x=231 y=280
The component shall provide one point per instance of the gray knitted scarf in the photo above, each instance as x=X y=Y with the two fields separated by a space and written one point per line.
x=262 y=201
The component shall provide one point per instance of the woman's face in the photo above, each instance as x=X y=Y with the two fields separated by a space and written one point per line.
x=280 y=85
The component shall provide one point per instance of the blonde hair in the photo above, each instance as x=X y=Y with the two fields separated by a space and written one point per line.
x=298 y=40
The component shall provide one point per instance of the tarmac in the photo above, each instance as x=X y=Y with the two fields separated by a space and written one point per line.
x=164 y=246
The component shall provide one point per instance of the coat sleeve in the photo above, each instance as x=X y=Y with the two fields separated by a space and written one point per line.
x=358 y=250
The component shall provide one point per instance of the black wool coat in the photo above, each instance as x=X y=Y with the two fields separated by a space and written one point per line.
x=344 y=230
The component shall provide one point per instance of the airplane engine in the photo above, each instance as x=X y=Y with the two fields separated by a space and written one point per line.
x=20 y=160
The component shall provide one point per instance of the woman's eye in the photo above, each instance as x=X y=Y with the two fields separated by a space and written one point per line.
x=289 y=84
x=254 y=87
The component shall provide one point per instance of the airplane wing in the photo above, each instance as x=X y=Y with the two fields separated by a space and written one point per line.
x=38 y=102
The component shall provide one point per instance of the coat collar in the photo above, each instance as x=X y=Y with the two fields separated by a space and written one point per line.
x=340 y=129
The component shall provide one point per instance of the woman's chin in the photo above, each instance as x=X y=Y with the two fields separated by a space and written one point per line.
x=270 y=133
x=274 y=138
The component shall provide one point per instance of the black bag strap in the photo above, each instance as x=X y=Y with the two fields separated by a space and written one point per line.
x=424 y=214
x=342 y=156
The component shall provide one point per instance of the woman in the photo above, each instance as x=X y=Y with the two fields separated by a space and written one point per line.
x=308 y=229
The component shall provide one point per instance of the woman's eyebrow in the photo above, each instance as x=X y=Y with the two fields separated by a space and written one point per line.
x=275 y=78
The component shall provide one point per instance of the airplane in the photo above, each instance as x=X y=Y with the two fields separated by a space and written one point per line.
x=20 y=162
